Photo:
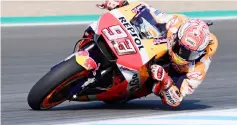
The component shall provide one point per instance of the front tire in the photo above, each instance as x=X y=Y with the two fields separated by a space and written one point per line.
x=41 y=96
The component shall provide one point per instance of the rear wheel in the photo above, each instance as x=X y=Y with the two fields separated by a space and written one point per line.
x=53 y=88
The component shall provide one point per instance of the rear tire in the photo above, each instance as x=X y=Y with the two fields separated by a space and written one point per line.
x=51 y=81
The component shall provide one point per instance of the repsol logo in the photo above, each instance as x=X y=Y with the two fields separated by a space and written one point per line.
x=132 y=31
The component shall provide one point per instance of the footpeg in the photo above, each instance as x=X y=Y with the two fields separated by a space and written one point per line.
x=79 y=98
x=88 y=82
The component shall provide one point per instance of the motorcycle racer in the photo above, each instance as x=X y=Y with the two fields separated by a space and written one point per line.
x=190 y=48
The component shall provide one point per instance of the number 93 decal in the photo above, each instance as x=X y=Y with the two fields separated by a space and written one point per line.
x=119 y=39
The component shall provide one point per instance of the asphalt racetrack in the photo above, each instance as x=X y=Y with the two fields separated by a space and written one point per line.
x=29 y=52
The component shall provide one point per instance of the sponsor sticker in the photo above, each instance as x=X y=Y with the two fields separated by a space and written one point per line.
x=190 y=42
x=132 y=32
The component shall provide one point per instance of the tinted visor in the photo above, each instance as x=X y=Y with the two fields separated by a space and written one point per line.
x=186 y=54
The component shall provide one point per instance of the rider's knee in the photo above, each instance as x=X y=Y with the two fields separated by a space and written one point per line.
x=171 y=96
x=177 y=104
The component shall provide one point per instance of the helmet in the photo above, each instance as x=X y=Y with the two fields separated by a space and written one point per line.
x=193 y=38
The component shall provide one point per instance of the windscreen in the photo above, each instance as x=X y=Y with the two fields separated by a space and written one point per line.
x=147 y=25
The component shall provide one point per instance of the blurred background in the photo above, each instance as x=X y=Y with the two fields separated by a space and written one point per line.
x=81 y=7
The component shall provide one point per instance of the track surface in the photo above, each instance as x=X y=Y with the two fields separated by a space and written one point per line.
x=29 y=52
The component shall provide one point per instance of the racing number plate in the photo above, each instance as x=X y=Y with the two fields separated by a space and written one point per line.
x=119 y=39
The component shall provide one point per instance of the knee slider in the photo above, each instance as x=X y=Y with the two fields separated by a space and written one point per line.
x=172 y=96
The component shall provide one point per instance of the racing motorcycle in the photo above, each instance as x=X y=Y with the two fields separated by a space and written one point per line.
x=116 y=49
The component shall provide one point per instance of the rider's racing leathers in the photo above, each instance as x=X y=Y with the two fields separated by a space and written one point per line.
x=178 y=80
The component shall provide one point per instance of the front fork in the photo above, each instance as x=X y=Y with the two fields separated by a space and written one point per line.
x=88 y=84
x=95 y=74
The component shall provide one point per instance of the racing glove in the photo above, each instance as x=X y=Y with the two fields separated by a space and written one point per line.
x=112 y=4
x=165 y=88
x=159 y=74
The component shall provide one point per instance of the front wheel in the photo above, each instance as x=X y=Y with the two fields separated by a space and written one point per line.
x=50 y=90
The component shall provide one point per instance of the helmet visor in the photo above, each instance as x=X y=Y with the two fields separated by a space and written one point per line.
x=186 y=54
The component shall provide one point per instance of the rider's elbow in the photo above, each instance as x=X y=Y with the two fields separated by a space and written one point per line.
x=213 y=45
